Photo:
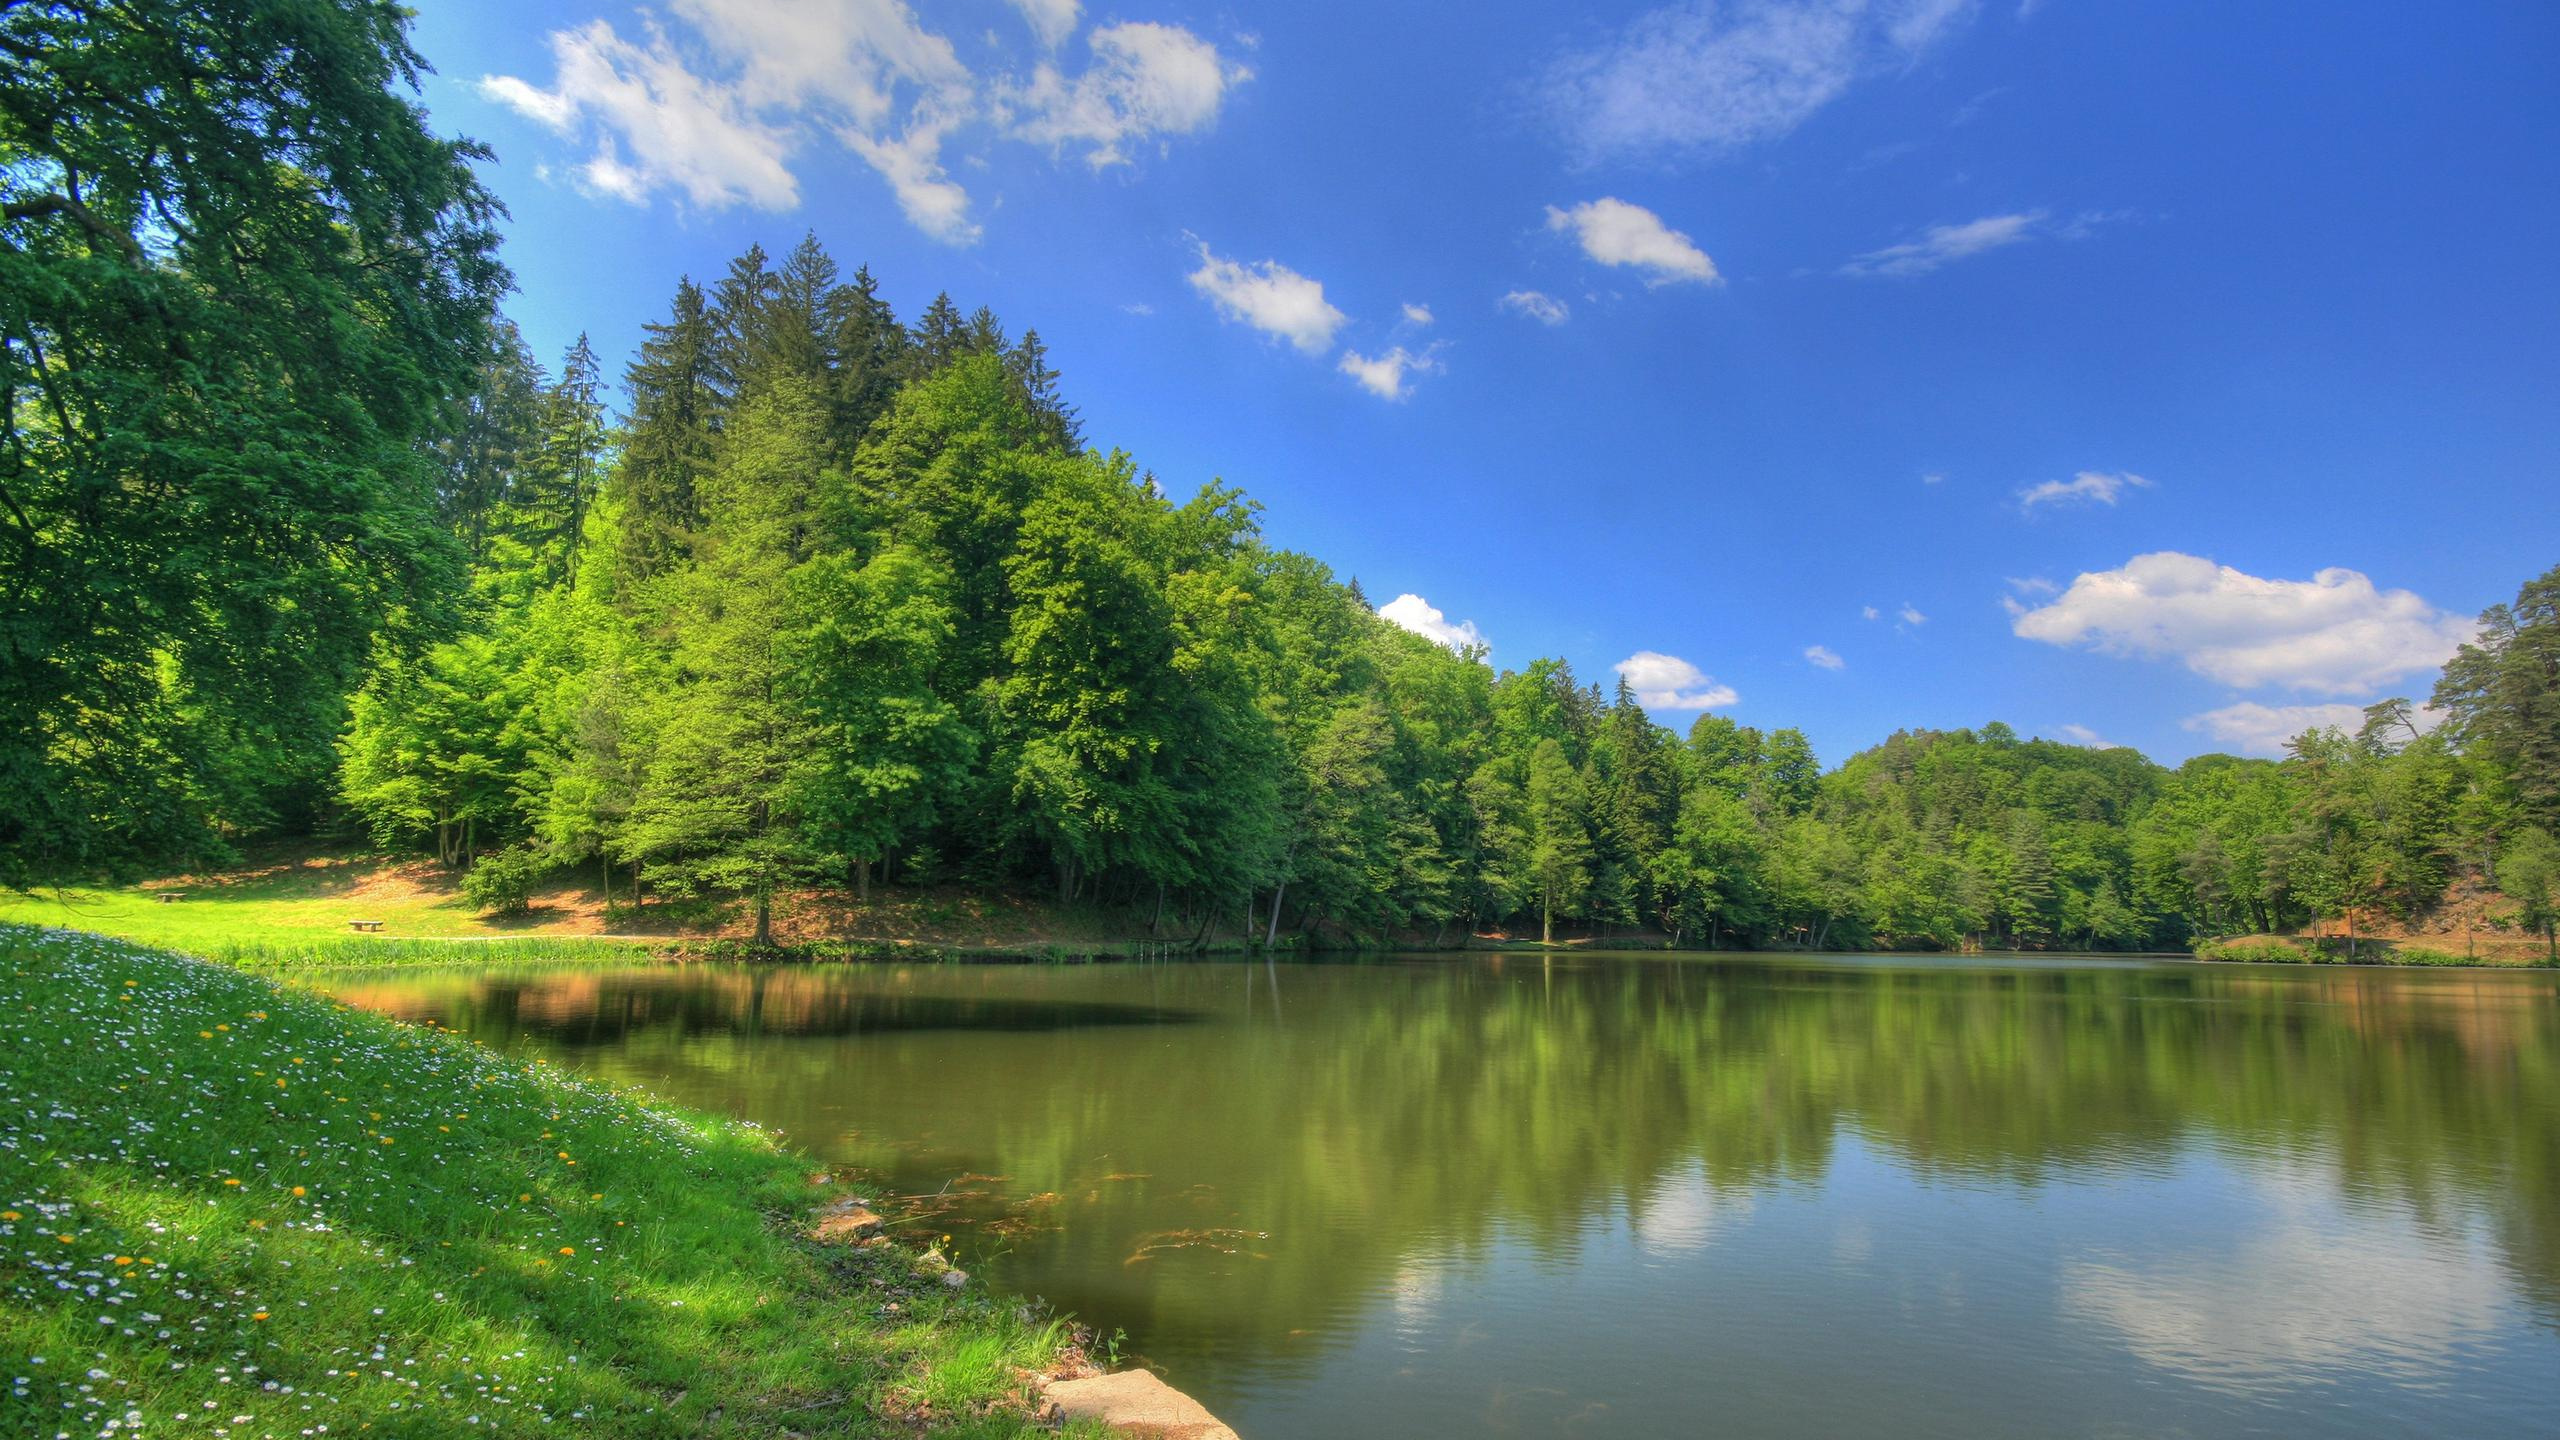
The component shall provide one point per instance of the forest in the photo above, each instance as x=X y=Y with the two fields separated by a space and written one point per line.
x=303 y=541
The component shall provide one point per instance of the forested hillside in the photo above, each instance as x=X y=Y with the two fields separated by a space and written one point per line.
x=301 y=540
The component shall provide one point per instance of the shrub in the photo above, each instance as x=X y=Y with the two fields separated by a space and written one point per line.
x=502 y=881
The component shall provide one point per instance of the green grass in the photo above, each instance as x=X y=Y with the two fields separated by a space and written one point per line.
x=227 y=1207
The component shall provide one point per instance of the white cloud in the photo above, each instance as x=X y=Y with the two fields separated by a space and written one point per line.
x=1270 y=297
x=1545 y=309
x=1825 y=657
x=1943 y=244
x=1050 y=20
x=2254 y=729
x=912 y=164
x=1667 y=682
x=2089 y=487
x=1146 y=80
x=1708 y=77
x=1425 y=619
x=2335 y=633
x=714 y=108
x=1384 y=376
x=1870 y=612
x=2086 y=738
x=687 y=133
x=1911 y=614
x=1138 y=307
x=1614 y=232
x=1933 y=478
x=1417 y=314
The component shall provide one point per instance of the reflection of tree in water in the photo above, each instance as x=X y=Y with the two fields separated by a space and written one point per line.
x=1386 y=1110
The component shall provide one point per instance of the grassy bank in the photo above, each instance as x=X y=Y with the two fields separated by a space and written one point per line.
x=2334 y=950
x=228 y=1208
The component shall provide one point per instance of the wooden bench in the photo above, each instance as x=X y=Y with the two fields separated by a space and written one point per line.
x=170 y=897
x=364 y=924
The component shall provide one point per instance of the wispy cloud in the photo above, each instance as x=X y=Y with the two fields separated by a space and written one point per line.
x=1417 y=314
x=1709 y=78
x=1945 y=244
x=2089 y=487
x=1824 y=657
x=1545 y=309
x=1614 y=232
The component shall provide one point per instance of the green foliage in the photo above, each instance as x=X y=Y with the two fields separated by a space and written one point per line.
x=502 y=882
x=242 y=285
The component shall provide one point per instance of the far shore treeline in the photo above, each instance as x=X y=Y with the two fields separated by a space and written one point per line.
x=296 y=538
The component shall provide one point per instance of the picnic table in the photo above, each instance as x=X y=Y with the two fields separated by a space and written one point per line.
x=364 y=924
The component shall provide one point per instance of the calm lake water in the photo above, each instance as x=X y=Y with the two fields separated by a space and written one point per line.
x=1630 y=1195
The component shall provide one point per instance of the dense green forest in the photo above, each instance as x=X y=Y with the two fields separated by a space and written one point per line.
x=301 y=538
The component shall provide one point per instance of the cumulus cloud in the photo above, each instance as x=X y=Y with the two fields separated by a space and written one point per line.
x=2089 y=487
x=714 y=106
x=1614 y=232
x=1667 y=682
x=1825 y=657
x=1270 y=297
x=2335 y=633
x=1417 y=314
x=2086 y=738
x=1869 y=612
x=2254 y=729
x=1427 y=620
x=683 y=132
x=1911 y=615
x=1704 y=77
x=1545 y=309
x=1385 y=376
x=1146 y=80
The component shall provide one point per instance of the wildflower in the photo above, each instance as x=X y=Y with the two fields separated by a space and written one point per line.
x=261 y=1315
x=297 y=1192
x=568 y=1249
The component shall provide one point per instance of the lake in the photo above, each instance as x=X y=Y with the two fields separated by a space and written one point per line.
x=1647 y=1195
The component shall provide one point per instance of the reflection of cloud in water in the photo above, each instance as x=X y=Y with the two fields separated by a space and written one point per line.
x=2311 y=1290
x=1415 y=1293
x=1682 y=1213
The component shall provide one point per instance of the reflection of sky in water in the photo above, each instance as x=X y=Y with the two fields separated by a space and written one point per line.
x=1614 y=1196
x=2291 y=1286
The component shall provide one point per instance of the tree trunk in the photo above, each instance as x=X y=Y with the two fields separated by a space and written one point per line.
x=1067 y=881
x=764 y=919
x=1547 y=923
x=1271 y=936
x=604 y=868
x=1157 y=919
x=862 y=881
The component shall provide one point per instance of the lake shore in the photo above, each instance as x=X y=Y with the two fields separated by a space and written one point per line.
x=253 y=1198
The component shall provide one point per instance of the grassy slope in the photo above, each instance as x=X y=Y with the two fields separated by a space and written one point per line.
x=230 y=1208
x=294 y=907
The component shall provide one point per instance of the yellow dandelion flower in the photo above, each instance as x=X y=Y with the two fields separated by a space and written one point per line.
x=11 y=1215
x=568 y=1249
x=261 y=1315
x=298 y=1192
x=230 y=1182
x=124 y=1259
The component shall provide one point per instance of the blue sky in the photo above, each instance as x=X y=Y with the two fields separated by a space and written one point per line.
x=2166 y=375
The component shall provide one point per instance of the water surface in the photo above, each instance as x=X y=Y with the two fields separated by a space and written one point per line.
x=1634 y=1195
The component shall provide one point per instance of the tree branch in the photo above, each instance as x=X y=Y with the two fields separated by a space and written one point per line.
x=39 y=206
